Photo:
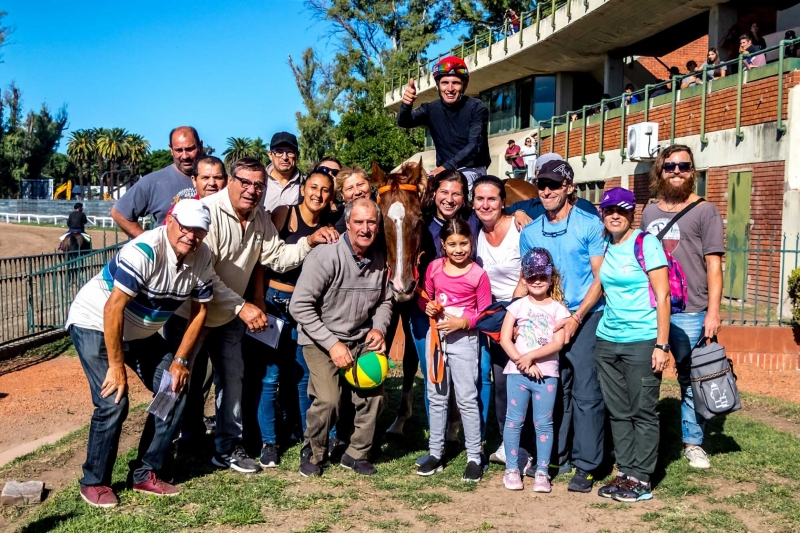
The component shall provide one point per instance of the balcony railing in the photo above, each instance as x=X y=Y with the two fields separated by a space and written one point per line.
x=563 y=122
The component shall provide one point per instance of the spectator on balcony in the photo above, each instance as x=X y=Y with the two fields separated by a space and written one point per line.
x=694 y=77
x=661 y=88
x=757 y=38
x=528 y=153
x=517 y=163
x=730 y=45
x=719 y=71
x=631 y=98
x=746 y=46
x=792 y=50
x=513 y=21
x=696 y=242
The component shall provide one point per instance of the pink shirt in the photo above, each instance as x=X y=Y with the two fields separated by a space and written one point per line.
x=536 y=330
x=462 y=296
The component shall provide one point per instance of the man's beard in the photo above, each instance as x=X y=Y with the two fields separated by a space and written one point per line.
x=676 y=194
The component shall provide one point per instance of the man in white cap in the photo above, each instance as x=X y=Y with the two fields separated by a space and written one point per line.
x=114 y=322
x=525 y=211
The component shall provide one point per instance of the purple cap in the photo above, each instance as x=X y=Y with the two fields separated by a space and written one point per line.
x=620 y=197
x=537 y=262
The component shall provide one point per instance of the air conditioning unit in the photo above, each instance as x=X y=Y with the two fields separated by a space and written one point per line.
x=643 y=141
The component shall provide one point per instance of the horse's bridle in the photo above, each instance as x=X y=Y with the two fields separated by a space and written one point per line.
x=402 y=187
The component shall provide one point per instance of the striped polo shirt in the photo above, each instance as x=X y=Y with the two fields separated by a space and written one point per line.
x=147 y=270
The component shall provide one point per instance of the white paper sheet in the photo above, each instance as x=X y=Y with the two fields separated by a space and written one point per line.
x=271 y=334
x=165 y=399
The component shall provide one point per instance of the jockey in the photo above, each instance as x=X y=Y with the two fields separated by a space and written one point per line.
x=458 y=124
x=76 y=222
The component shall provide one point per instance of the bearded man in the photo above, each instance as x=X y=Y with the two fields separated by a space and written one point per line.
x=696 y=241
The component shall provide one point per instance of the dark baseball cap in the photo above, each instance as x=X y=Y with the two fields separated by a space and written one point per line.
x=511 y=141
x=557 y=171
x=283 y=138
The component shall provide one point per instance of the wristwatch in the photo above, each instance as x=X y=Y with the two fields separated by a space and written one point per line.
x=181 y=361
x=663 y=347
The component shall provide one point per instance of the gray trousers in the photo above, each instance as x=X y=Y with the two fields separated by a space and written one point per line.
x=325 y=386
x=461 y=373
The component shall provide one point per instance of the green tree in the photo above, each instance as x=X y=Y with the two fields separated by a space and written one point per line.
x=5 y=31
x=156 y=160
x=261 y=150
x=238 y=147
x=112 y=146
x=138 y=148
x=80 y=150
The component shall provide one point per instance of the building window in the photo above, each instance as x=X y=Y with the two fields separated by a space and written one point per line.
x=700 y=182
x=502 y=104
x=428 y=138
x=591 y=191
x=544 y=99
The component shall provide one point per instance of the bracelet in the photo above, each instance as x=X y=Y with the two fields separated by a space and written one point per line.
x=577 y=318
x=181 y=361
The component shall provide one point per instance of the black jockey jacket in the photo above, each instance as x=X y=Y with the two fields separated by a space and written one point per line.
x=459 y=131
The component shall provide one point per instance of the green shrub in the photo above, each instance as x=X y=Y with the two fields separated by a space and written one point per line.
x=793 y=287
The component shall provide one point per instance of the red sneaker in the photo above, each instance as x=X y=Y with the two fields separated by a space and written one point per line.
x=99 y=496
x=156 y=487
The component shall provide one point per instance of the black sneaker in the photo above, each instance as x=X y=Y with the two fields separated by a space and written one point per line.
x=336 y=450
x=619 y=482
x=634 y=492
x=473 y=472
x=269 y=456
x=430 y=466
x=422 y=459
x=557 y=470
x=238 y=460
x=307 y=468
x=359 y=466
x=582 y=481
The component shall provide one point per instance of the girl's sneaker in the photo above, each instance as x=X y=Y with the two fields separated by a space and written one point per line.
x=430 y=466
x=542 y=482
x=499 y=457
x=512 y=479
x=634 y=492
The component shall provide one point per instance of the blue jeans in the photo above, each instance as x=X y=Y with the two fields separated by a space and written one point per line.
x=287 y=360
x=149 y=358
x=523 y=390
x=493 y=360
x=684 y=332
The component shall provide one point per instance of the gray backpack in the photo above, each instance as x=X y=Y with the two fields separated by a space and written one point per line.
x=713 y=381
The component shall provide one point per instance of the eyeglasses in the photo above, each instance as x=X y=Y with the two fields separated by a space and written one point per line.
x=246 y=184
x=558 y=233
x=284 y=151
x=196 y=232
x=683 y=166
x=327 y=170
x=553 y=185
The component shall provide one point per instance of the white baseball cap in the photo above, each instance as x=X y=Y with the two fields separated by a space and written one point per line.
x=192 y=214
x=546 y=158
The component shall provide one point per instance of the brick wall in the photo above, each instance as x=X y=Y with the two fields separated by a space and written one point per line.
x=696 y=50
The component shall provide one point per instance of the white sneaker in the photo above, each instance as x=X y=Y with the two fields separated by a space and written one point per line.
x=499 y=457
x=697 y=457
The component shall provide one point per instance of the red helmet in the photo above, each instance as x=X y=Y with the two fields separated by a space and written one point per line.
x=451 y=66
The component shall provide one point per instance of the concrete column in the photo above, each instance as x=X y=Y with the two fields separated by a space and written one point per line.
x=720 y=19
x=564 y=99
x=614 y=75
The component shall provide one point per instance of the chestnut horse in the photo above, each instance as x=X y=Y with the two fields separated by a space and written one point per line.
x=518 y=189
x=399 y=201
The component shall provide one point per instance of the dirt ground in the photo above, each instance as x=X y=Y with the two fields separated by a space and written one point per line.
x=20 y=239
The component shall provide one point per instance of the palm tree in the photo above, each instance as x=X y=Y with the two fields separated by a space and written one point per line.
x=138 y=149
x=95 y=134
x=261 y=150
x=80 y=150
x=238 y=147
x=112 y=147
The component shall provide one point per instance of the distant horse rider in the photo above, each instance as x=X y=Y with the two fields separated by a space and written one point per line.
x=76 y=224
x=458 y=123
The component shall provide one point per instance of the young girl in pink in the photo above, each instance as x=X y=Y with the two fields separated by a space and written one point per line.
x=532 y=368
x=459 y=290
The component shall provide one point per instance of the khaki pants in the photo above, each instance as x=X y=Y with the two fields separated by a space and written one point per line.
x=325 y=389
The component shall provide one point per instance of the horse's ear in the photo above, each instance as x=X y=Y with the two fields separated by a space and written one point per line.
x=422 y=184
x=377 y=176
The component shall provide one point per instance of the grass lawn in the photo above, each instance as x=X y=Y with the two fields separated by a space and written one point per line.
x=751 y=487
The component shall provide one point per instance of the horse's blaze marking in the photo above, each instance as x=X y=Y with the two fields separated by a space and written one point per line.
x=397 y=212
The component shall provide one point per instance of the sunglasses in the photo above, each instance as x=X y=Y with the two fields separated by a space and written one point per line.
x=246 y=184
x=615 y=209
x=553 y=185
x=327 y=170
x=683 y=166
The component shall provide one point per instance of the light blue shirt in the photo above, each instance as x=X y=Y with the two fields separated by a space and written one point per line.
x=628 y=316
x=584 y=238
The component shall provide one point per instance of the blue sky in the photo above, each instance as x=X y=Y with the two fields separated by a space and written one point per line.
x=148 y=66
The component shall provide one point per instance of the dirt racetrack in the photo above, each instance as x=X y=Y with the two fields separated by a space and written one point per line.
x=20 y=239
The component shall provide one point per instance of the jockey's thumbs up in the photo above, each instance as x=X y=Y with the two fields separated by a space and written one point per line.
x=410 y=94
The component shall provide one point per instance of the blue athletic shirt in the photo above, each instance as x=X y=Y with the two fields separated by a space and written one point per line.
x=628 y=316
x=571 y=251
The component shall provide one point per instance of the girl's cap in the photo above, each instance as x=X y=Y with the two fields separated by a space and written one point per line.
x=537 y=262
x=620 y=197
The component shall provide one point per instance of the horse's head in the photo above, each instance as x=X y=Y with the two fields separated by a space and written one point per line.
x=399 y=200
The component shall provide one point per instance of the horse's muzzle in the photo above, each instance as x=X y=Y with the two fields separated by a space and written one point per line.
x=403 y=295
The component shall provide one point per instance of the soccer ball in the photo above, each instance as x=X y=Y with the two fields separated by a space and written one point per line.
x=368 y=371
